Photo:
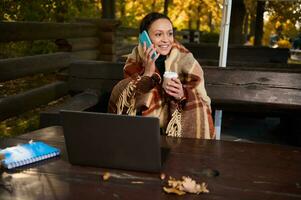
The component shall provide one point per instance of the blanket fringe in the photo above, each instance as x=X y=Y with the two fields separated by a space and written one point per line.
x=127 y=100
x=174 y=127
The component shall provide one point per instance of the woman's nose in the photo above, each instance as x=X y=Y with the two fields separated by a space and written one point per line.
x=165 y=38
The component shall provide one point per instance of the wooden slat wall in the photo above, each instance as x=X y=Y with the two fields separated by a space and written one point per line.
x=98 y=75
x=84 y=43
x=80 y=40
x=13 y=68
x=19 y=103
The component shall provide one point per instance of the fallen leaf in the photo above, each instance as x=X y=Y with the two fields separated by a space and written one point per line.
x=187 y=184
x=106 y=176
x=173 y=191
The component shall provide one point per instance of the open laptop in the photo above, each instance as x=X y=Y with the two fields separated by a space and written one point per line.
x=112 y=141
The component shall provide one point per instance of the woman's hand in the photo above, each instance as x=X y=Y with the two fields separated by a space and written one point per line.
x=148 y=62
x=174 y=88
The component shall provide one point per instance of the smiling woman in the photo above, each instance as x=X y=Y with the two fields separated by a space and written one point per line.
x=181 y=104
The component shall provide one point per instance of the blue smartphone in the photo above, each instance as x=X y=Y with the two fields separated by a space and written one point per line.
x=143 y=37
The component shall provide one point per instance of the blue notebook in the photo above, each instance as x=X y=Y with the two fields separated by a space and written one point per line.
x=24 y=154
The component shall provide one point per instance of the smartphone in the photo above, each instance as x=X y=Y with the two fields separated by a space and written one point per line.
x=143 y=37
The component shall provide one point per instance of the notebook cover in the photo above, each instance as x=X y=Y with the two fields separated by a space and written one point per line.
x=24 y=154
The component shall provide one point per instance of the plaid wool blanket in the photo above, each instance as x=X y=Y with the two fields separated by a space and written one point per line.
x=136 y=94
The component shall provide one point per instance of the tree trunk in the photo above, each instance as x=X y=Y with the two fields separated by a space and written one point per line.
x=210 y=22
x=259 y=23
x=252 y=24
x=108 y=9
x=198 y=21
x=246 y=32
x=166 y=2
x=237 y=20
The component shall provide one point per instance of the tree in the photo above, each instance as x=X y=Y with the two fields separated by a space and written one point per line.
x=259 y=23
x=108 y=9
x=238 y=12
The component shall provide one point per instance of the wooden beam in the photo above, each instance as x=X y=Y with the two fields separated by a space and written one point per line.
x=19 y=31
x=13 y=68
x=106 y=25
x=79 y=44
x=100 y=75
x=97 y=70
x=86 y=54
x=256 y=91
x=14 y=105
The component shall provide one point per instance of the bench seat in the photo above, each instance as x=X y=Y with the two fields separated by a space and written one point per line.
x=80 y=102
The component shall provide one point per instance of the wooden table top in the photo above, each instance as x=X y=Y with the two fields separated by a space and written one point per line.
x=246 y=171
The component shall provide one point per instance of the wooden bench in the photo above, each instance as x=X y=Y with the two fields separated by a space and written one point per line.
x=229 y=88
x=269 y=93
x=83 y=101
x=92 y=82
x=240 y=53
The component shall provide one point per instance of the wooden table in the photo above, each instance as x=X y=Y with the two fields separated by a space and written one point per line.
x=246 y=171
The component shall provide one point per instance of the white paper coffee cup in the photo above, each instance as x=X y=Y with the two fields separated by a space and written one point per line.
x=168 y=76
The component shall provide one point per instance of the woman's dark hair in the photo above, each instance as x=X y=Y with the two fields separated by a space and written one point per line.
x=149 y=19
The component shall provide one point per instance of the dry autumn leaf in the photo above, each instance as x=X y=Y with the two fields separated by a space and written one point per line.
x=173 y=191
x=106 y=176
x=185 y=185
x=162 y=176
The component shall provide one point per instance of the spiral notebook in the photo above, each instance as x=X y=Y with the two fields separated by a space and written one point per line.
x=25 y=154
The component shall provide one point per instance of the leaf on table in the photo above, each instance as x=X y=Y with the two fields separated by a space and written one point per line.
x=173 y=191
x=106 y=176
x=162 y=176
x=187 y=184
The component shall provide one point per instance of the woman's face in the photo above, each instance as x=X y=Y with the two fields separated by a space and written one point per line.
x=161 y=35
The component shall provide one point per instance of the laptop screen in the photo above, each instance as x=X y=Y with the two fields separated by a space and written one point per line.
x=112 y=141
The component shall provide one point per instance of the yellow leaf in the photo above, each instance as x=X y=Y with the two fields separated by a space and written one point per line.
x=106 y=176
x=173 y=191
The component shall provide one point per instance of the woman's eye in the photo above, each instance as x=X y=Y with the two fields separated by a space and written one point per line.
x=171 y=34
x=158 y=34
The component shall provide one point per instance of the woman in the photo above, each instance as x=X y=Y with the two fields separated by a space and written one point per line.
x=182 y=106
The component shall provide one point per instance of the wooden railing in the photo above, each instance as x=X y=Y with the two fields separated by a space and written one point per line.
x=86 y=39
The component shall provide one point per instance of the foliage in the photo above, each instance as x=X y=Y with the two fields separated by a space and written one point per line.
x=48 y=10
x=281 y=18
x=204 y=15
x=283 y=43
x=284 y=16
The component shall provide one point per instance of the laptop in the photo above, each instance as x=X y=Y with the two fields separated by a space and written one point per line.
x=112 y=141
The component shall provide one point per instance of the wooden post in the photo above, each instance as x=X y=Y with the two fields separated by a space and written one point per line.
x=107 y=34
